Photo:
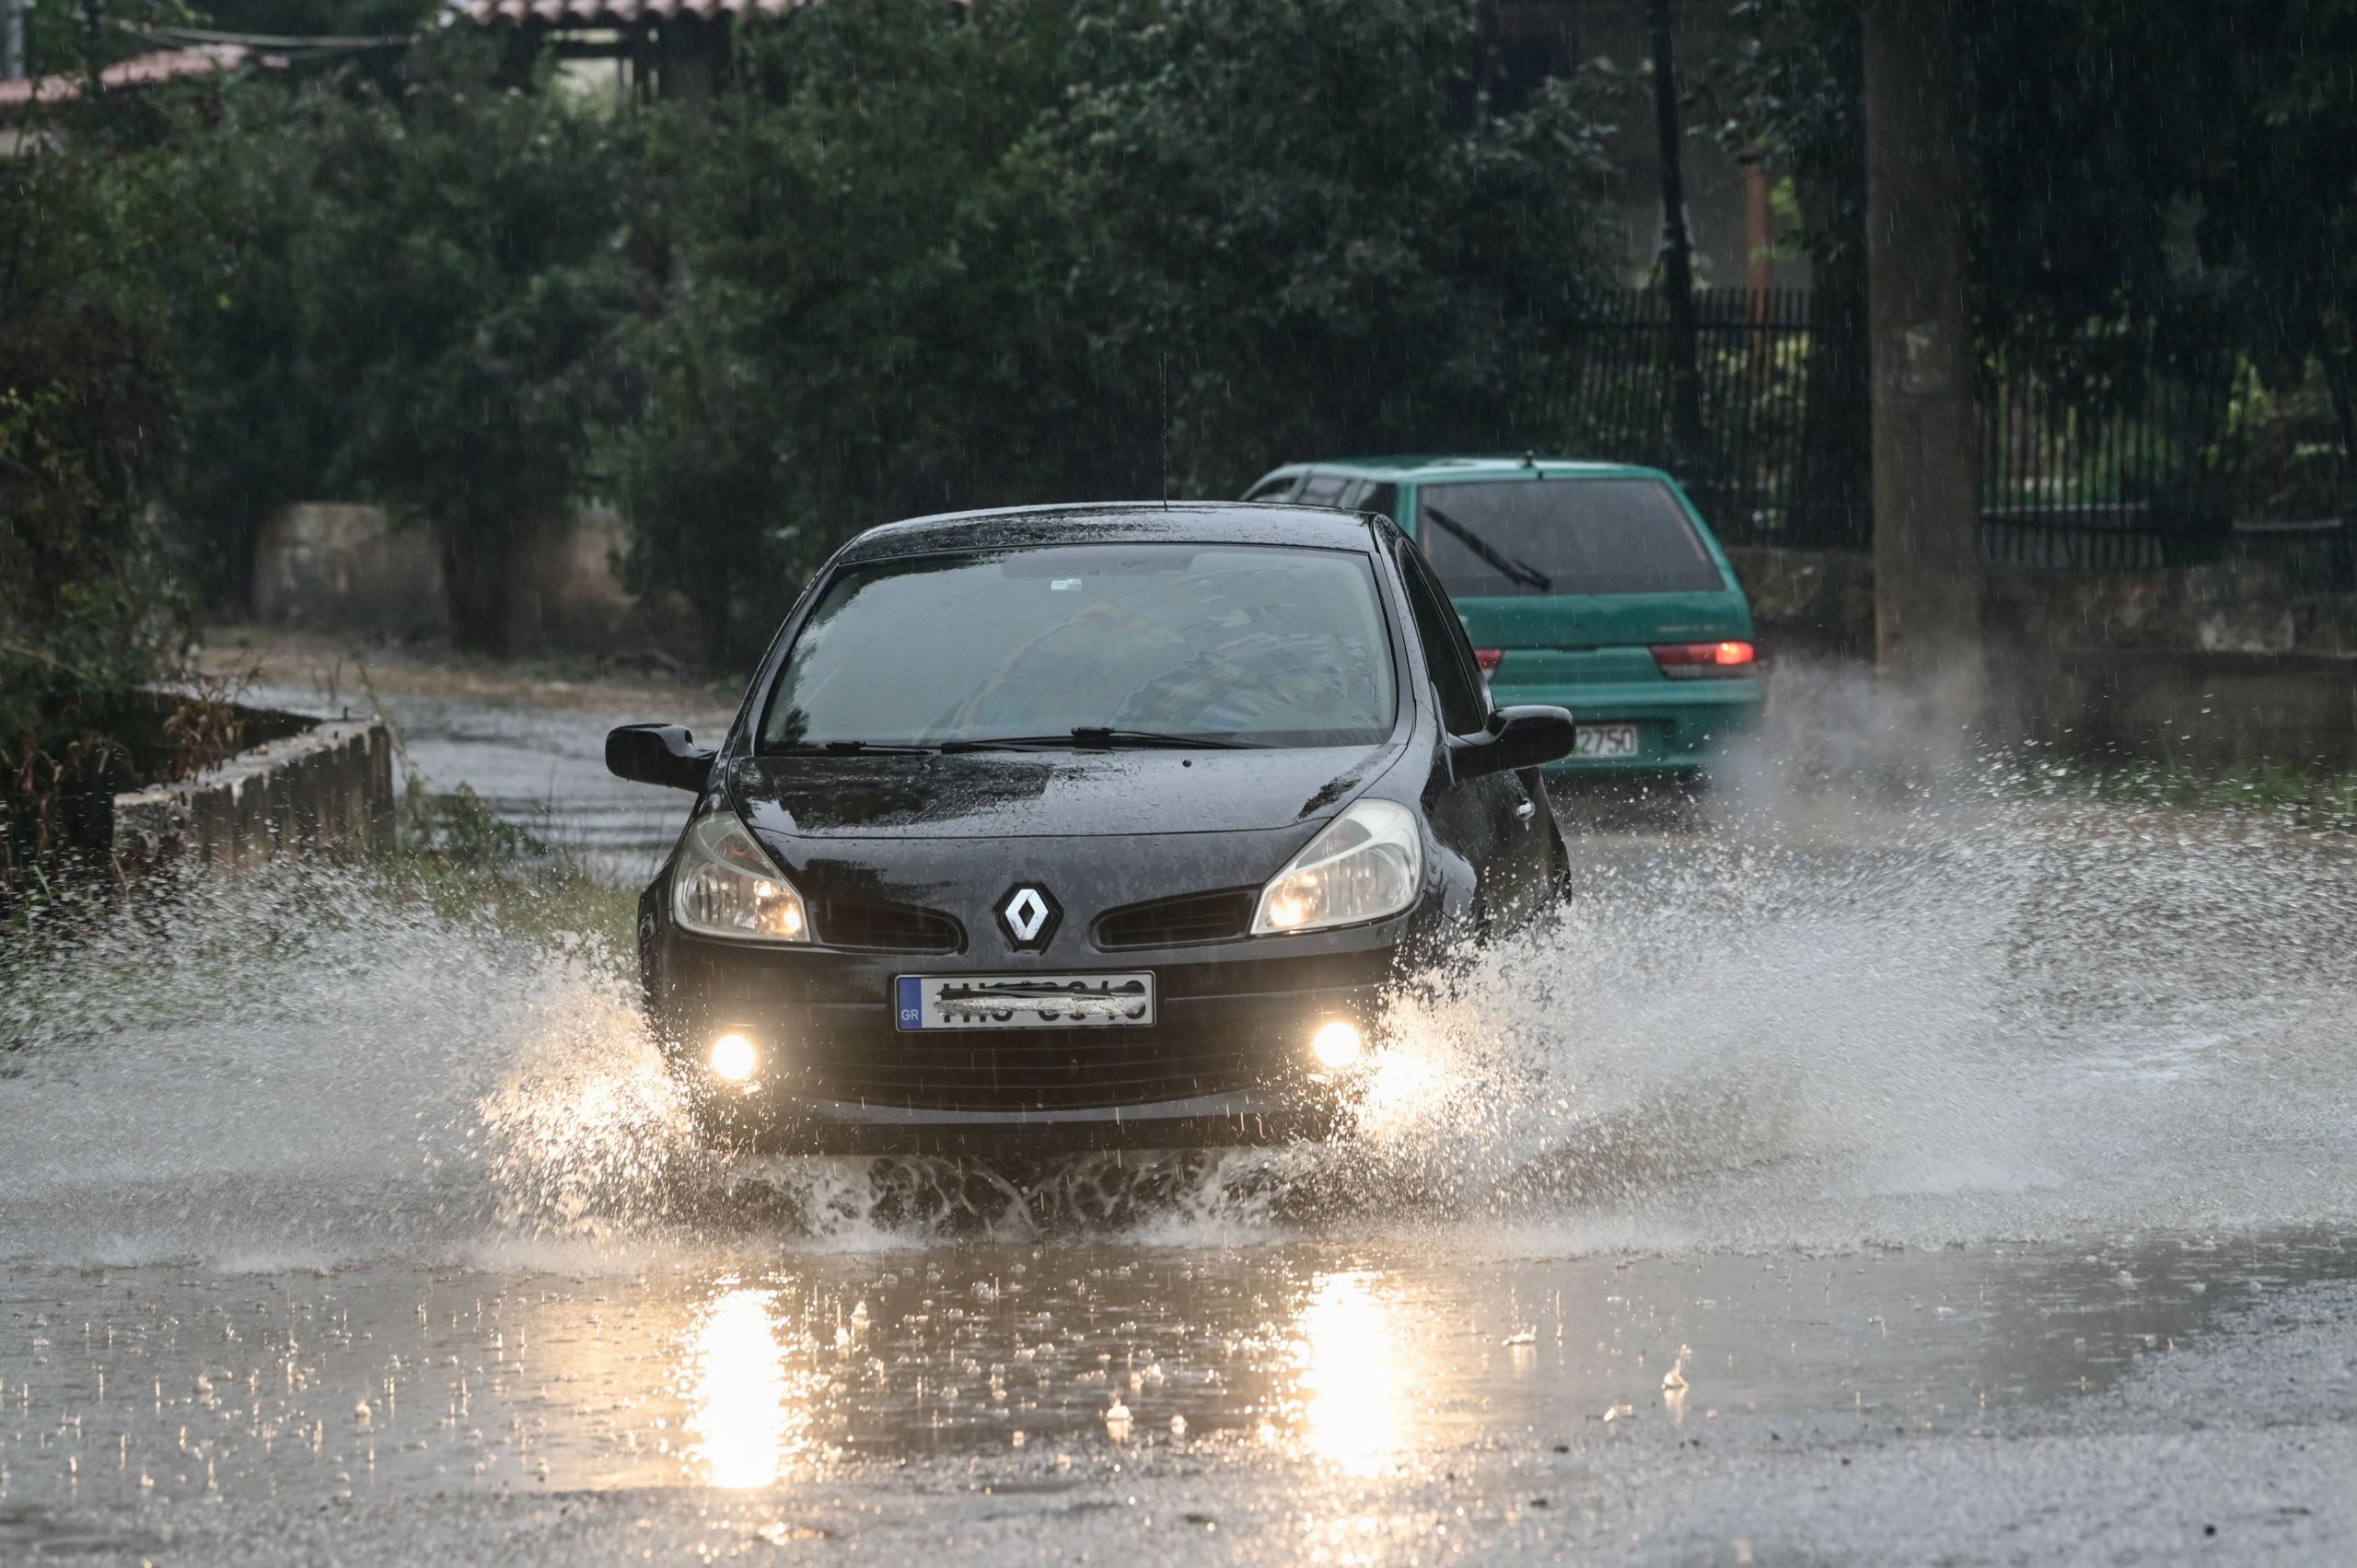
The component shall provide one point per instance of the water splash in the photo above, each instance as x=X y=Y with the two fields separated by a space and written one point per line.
x=1933 y=1023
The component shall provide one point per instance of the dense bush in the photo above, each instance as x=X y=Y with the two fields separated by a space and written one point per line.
x=918 y=258
x=925 y=261
x=865 y=313
x=465 y=275
x=1308 y=206
x=90 y=407
x=2130 y=164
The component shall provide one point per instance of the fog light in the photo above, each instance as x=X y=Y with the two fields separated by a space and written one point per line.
x=1337 y=1045
x=734 y=1058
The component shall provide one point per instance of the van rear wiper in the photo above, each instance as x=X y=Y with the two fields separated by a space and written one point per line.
x=1505 y=565
x=1093 y=735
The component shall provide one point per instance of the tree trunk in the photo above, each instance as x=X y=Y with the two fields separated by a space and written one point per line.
x=1927 y=513
x=476 y=578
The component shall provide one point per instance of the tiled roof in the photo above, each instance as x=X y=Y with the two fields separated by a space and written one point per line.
x=139 y=71
x=611 y=13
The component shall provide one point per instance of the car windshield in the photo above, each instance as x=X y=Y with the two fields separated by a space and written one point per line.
x=1257 y=645
x=1562 y=536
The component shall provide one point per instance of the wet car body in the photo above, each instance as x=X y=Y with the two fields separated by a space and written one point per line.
x=1655 y=653
x=1089 y=864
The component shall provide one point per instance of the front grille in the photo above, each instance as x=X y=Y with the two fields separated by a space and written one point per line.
x=1025 y=1069
x=1177 y=922
x=888 y=929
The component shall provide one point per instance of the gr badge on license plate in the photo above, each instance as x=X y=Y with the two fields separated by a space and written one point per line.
x=1023 y=1001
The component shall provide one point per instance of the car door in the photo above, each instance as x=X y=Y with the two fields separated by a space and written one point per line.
x=1493 y=822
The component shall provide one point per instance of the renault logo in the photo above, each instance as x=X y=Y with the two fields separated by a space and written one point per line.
x=1028 y=917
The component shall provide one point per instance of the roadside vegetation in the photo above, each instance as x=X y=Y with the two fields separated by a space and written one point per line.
x=920 y=256
x=457 y=857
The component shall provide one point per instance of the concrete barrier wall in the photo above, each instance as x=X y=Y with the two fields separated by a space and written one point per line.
x=2221 y=663
x=2195 y=707
x=326 y=789
x=2207 y=666
x=1823 y=601
x=324 y=567
x=329 y=567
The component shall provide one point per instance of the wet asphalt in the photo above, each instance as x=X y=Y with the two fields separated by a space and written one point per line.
x=1849 y=1189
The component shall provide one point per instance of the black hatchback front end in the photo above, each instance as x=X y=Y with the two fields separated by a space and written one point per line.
x=845 y=1065
x=897 y=924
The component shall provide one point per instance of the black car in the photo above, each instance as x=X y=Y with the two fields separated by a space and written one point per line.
x=1084 y=827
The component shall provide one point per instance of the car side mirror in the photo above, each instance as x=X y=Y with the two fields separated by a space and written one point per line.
x=662 y=754
x=1530 y=736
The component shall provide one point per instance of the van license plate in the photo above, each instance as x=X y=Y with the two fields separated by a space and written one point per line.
x=1605 y=740
x=1023 y=1000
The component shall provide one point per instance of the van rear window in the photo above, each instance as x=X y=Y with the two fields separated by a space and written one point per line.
x=1499 y=538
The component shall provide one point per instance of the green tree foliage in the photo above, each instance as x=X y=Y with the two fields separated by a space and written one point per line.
x=261 y=420
x=89 y=399
x=2182 y=163
x=918 y=258
x=79 y=40
x=865 y=314
x=464 y=274
x=1308 y=203
x=925 y=261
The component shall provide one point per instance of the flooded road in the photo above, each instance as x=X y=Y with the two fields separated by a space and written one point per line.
x=1280 y=1400
x=1966 y=1183
x=534 y=751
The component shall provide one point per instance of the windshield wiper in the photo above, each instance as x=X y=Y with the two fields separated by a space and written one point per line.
x=853 y=748
x=1105 y=735
x=1505 y=565
x=1092 y=734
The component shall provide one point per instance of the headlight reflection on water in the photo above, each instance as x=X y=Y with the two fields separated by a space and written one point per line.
x=741 y=1404
x=1356 y=1375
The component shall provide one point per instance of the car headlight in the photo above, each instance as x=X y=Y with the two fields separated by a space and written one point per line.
x=1366 y=865
x=725 y=886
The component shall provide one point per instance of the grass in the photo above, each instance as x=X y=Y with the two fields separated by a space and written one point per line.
x=468 y=865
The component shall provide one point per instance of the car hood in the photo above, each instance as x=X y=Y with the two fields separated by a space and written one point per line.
x=1003 y=795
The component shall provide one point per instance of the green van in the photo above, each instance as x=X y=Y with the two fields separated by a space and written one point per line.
x=1597 y=587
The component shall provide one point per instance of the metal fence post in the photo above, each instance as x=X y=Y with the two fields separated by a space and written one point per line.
x=12 y=40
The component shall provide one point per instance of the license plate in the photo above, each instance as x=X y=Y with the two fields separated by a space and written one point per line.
x=1024 y=1001
x=1605 y=740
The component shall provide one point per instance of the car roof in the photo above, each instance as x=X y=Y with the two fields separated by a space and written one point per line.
x=1188 y=522
x=1422 y=468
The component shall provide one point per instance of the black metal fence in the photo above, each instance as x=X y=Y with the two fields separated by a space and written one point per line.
x=1754 y=373
x=2106 y=453
x=2096 y=453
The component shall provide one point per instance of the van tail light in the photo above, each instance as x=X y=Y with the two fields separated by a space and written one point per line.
x=1489 y=659
x=1691 y=661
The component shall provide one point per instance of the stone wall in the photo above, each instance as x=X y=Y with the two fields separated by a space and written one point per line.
x=331 y=567
x=567 y=593
x=2201 y=665
x=2203 y=708
x=324 y=567
x=319 y=788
